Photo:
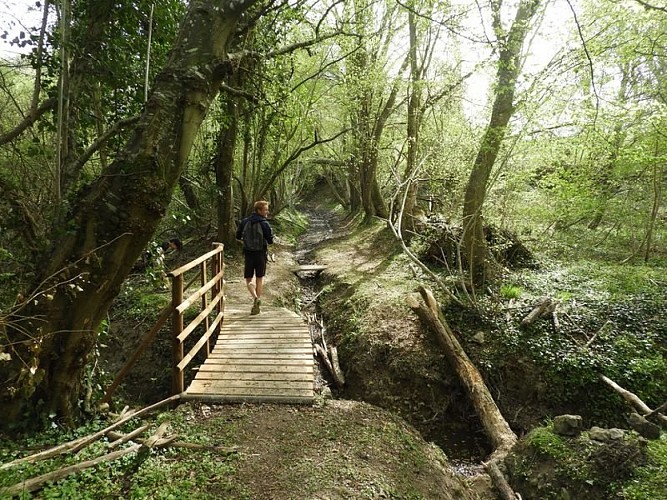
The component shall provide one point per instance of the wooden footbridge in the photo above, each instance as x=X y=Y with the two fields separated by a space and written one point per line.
x=262 y=358
x=267 y=357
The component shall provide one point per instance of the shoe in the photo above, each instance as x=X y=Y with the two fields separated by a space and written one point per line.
x=255 y=307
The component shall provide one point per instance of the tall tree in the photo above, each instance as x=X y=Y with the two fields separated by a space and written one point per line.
x=48 y=338
x=373 y=99
x=510 y=44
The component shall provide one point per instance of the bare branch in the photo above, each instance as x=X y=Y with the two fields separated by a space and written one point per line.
x=649 y=6
x=294 y=156
x=80 y=162
x=590 y=60
x=30 y=118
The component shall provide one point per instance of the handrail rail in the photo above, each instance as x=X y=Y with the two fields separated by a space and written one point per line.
x=198 y=260
x=179 y=305
x=143 y=344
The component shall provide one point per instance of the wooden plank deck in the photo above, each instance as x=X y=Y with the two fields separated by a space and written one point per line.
x=263 y=358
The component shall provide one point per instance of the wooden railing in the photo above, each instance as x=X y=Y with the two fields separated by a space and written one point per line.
x=180 y=331
x=176 y=310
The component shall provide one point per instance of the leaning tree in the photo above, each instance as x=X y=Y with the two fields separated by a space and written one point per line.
x=47 y=338
x=510 y=43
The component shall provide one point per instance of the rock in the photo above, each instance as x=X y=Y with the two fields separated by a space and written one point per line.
x=568 y=425
x=616 y=434
x=606 y=435
x=326 y=393
x=478 y=338
x=644 y=428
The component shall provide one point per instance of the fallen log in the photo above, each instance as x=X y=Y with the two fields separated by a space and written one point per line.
x=173 y=443
x=124 y=438
x=499 y=481
x=36 y=483
x=333 y=354
x=327 y=362
x=659 y=409
x=43 y=455
x=136 y=414
x=80 y=443
x=543 y=308
x=157 y=435
x=497 y=429
x=495 y=425
x=634 y=400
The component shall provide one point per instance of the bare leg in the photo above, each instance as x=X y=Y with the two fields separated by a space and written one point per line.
x=256 y=292
x=259 y=287
x=251 y=287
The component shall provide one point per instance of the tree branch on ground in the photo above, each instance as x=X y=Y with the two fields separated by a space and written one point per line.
x=172 y=443
x=36 y=483
x=630 y=397
x=78 y=444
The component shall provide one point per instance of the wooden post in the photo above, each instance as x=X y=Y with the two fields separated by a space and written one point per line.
x=219 y=264
x=204 y=302
x=177 y=382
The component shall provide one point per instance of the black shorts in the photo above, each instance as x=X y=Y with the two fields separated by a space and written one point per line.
x=255 y=264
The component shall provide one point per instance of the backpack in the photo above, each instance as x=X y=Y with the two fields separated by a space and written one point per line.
x=253 y=237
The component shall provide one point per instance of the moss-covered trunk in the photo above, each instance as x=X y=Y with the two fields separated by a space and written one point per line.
x=50 y=336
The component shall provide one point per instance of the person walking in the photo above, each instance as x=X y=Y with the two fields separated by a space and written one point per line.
x=256 y=234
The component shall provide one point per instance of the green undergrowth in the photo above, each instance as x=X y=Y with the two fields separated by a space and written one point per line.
x=610 y=320
x=157 y=473
x=650 y=481
x=372 y=280
x=289 y=224
x=548 y=466
x=389 y=358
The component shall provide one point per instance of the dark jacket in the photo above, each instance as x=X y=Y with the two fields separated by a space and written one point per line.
x=266 y=228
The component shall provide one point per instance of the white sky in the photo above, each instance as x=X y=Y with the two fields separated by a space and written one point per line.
x=17 y=15
x=540 y=49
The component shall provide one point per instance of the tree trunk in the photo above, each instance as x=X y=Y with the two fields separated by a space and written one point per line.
x=188 y=190
x=604 y=171
x=368 y=124
x=354 y=184
x=657 y=200
x=509 y=65
x=51 y=334
x=224 y=169
x=414 y=118
x=76 y=83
